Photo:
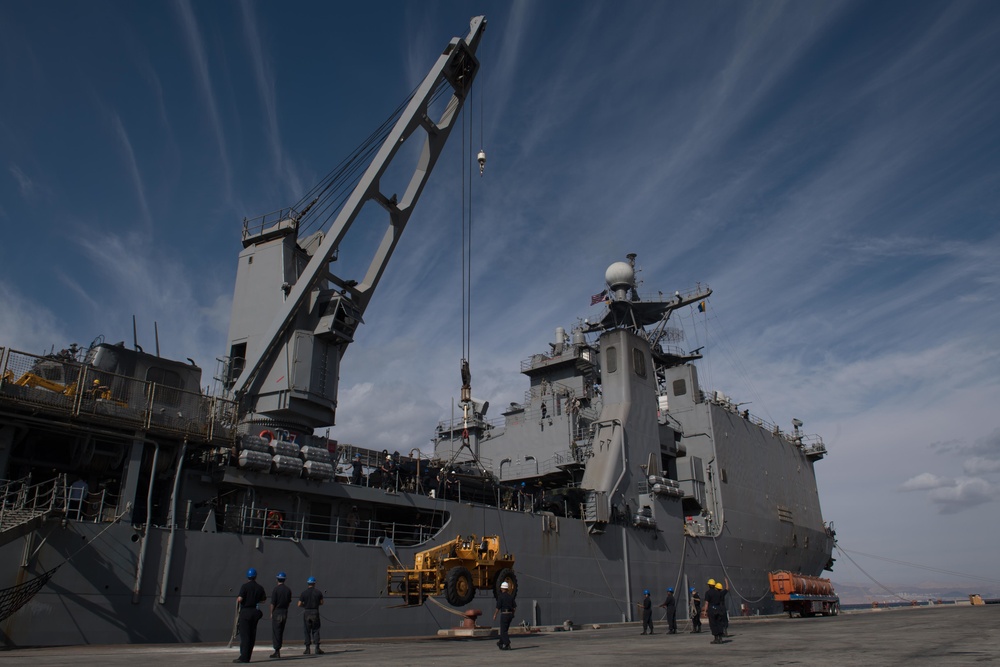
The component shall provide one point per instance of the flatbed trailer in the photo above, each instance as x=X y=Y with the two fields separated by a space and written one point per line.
x=803 y=594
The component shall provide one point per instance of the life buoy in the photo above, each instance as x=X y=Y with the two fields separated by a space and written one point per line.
x=268 y=435
x=274 y=520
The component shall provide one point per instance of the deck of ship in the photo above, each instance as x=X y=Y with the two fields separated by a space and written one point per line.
x=946 y=634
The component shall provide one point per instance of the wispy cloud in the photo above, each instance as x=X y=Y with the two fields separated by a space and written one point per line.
x=24 y=184
x=158 y=288
x=128 y=155
x=199 y=62
x=26 y=325
x=283 y=166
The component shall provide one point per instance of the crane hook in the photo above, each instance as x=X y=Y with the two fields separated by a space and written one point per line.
x=481 y=158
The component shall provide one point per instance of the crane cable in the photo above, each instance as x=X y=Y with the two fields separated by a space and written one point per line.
x=321 y=203
x=466 y=163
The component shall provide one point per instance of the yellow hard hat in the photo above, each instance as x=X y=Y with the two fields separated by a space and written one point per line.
x=711 y=582
x=97 y=382
x=719 y=586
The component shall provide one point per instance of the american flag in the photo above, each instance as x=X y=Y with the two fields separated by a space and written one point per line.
x=597 y=298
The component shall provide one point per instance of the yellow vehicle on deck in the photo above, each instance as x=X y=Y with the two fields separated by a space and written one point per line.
x=458 y=569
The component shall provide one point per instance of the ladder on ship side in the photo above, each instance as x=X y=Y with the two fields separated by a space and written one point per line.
x=25 y=506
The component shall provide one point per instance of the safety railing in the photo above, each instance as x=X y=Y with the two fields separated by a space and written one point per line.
x=276 y=523
x=90 y=506
x=78 y=390
x=21 y=501
x=254 y=226
x=812 y=445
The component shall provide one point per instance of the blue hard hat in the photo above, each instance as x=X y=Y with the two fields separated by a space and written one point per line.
x=670 y=590
x=311 y=580
x=691 y=591
x=522 y=483
x=357 y=456
x=251 y=573
x=646 y=592
x=281 y=576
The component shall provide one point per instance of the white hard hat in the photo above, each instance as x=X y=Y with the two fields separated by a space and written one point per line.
x=505 y=585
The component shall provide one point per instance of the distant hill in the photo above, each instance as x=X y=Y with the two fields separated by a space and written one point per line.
x=862 y=593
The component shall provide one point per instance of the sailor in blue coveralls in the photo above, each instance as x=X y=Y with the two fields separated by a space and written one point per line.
x=506 y=606
x=281 y=598
x=310 y=601
x=251 y=595
x=715 y=599
x=695 y=611
x=671 y=606
x=647 y=612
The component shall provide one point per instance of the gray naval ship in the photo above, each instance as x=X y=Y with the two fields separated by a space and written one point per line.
x=133 y=502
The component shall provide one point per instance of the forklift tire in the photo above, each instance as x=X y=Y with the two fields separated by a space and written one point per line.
x=507 y=575
x=458 y=588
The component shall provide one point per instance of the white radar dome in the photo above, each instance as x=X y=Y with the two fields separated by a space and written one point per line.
x=620 y=275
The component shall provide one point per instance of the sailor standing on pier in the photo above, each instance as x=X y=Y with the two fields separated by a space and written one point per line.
x=715 y=600
x=647 y=612
x=695 y=611
x=671 y=606
x=506 y=606
x=251 y=595
x=310 y=601
x=281 y=598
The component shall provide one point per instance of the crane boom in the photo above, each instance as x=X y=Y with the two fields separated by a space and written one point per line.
x=292 y=318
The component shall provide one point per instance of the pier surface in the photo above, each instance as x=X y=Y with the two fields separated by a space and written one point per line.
x=947 y=634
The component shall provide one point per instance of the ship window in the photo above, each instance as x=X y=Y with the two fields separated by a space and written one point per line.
x=680 y=387
x=612 y=359
x=164 y=377
x=638 y=362
x=167 y=383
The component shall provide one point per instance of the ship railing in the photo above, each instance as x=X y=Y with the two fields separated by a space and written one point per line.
x=41 y=381
x=457 y=424
x=22 y=501
x=663 y=297
x=545 y=389
x=575 y=454
x=812 y=445
x=254 y=226
x=91 y=506
x=270 y=522
x=583 y=432
x=528 y=363
x=805 y=441
x=66 y=387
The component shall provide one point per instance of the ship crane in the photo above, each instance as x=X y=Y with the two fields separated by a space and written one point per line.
x=292 y=316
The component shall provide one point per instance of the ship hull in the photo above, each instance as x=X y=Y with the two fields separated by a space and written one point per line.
x=564 y=573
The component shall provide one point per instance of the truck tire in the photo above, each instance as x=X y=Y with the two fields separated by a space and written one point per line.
x=458 y=588
x=506 y=574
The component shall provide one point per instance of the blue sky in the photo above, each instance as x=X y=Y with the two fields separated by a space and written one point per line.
x=830 y=169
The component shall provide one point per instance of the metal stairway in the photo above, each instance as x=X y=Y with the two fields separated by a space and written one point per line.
x=24 y=506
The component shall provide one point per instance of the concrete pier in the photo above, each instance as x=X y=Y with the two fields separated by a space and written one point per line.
x=939 y=635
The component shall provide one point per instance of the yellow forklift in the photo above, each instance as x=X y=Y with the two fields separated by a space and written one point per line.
x=457 y=569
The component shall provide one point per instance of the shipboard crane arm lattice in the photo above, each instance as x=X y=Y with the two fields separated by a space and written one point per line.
x=456 y=68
